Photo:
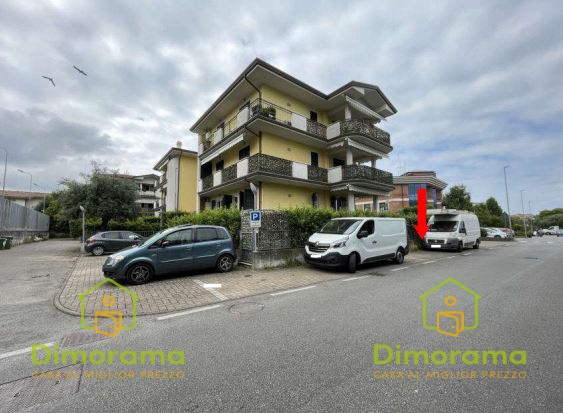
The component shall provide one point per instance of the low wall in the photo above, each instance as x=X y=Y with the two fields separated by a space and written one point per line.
x=273 y=243
x=20 y=237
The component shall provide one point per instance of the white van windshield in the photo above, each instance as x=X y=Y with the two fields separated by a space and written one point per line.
x=443 y=226
x=340 y=226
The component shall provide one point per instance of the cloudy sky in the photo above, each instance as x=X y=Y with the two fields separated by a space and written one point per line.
x=476 y=88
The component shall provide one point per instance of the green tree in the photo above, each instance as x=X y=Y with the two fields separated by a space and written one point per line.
x=458 y=198
x=493 y=207
x=105 y=195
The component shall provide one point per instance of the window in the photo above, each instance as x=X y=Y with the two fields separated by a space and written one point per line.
x=111 y=235
x=180 y=237
x=383 y=206
x=314 y=116
x=338 y=162
x=413 y=193
x=367 y=207
x=368 y=226
x=434 y=199
x=219 y=165
x=314 y=159
x=244 y=153
x=315 y=200
x=207 y=234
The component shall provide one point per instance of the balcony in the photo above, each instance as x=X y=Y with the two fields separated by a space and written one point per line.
x=358 y=127
x=278 y=167
x=260 y=108
x=359 y=172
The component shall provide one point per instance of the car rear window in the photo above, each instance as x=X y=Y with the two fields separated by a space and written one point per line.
x=207 y=234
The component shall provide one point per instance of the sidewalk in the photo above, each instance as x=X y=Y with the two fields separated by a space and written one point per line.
x=175 y=293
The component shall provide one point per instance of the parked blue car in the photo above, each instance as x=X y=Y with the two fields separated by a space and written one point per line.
x=174 y=250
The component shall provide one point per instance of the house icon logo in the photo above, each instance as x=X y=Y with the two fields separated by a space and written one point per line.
x=108 y=321
x=444 y=308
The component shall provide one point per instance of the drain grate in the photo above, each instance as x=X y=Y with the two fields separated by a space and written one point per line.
x=28 y=392
x=82 y=337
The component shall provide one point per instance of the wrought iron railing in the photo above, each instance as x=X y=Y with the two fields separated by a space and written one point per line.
x=364 y=128
x=315 y=173
x=350 y=172
x=269 y=164
x=207 y=183
x=229 y=173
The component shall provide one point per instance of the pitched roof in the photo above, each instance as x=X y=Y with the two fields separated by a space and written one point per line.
x=23 y=194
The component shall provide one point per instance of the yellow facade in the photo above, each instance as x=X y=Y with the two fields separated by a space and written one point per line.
x=188 y=184
x=294 y=151
x=282 y=100
x=276 y=196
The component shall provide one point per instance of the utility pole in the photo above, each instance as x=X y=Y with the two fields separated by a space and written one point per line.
x=30 y=182
x=507 y=202
x=531 y=215
x=5 y=168
x=83 y=247
x=44 y=195
x=523 y=212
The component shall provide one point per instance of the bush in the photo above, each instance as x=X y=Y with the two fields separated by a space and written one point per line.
x=90 y=224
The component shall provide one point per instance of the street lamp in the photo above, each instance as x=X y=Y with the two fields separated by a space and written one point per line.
x=507 y=202
x=83 y=216
x=5 y=168
x=30 y=181
x=523 y=213
x=44 y=195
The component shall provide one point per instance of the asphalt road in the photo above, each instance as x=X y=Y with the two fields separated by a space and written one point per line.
x=312 y=350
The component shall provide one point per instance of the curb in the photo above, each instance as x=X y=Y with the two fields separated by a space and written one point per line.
x=57 y=296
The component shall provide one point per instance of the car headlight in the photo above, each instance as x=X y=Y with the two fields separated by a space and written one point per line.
x=339 y=244
x=115 y=259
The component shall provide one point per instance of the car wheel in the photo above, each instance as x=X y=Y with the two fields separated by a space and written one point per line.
x=497 y=236
x=224 y=263
x=139 y=274
x=476 y=245
x=352 y=263
x=460 y=246
x=98 y=250
x=399 y=256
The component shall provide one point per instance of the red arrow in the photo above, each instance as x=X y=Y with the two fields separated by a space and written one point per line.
x=421 y=227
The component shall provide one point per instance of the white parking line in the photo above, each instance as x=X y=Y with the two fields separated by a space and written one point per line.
x=195 y=310
x=354 y=278
x=400 y=269
x=428 y=262
x=21 y=351
x=467 y=253
x=293 y=290
x=212 y=289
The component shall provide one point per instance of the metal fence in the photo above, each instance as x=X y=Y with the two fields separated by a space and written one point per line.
x=15 y=217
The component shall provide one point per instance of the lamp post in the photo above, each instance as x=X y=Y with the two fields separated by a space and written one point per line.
x=531 y=216
x=44 y=195
x=5 y=168
x=507 y=202
x=523 y=213
x=83 y=217
x=30 y=182
x=4 y=203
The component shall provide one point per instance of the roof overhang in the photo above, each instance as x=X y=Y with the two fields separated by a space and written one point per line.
x=428 y=180
x=259 y=73
x=172 y=153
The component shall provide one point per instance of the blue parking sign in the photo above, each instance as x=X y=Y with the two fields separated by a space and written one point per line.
x=255 y=219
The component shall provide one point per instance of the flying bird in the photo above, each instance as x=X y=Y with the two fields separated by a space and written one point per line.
x=80 y=71
x=50 y=79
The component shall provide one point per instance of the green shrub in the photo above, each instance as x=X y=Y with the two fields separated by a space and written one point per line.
x=91 y=225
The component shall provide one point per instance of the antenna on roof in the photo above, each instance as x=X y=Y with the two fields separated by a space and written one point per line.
x=179 y=144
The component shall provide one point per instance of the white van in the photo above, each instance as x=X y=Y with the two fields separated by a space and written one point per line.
x=451 y=229
x=347 y=242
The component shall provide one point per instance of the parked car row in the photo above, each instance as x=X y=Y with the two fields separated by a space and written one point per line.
x=504 y=233
x=341 y=243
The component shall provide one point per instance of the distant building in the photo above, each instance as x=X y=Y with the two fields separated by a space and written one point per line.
x=406 y=191
x=178 y=179
x=148 y=196
x=24 y=198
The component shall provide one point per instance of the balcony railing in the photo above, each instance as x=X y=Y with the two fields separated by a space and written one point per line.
x=358 y=127
x=261 y=163
x=262 y=108
x=353 y=172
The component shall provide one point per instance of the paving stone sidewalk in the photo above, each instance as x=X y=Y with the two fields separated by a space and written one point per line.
x=176 y=293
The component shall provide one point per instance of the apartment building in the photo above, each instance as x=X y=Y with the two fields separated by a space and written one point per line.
x=148 y=195
x=272 y=141
x=406 y=189
x=177 y=182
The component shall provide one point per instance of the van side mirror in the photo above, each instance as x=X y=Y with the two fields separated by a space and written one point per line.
x=362 y=234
